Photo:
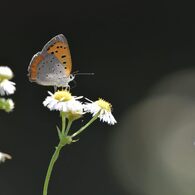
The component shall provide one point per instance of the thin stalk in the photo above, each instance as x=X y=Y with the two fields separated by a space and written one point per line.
x=86 y=125
x=68 y=127
x=55 y=155
x=50 y=168
x=63 y=122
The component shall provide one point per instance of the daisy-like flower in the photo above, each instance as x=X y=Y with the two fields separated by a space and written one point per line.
x=6 y=87
x=4 y=156
x=63 y=101
x=104 y=108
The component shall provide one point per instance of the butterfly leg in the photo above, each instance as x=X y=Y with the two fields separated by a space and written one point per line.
x=67 y=87
x=55 y=88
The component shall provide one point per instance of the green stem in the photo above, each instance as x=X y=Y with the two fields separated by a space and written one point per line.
x=56 y=153
x=68 y=127
x=50 y=168
x=55 y=156
x=86 y=125
x=63 y=122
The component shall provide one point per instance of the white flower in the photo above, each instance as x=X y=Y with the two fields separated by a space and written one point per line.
x=104 y=108
x=4 y=156
x=63 y=101
x=6 y=72
x=7 y=87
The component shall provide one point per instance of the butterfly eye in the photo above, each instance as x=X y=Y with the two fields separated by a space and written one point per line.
x=71 y=77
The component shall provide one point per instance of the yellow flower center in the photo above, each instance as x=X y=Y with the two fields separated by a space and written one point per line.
x=104 y=104
x=63 y=95
x=4 y=77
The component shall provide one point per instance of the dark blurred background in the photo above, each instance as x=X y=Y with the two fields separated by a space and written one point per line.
x=143 y=57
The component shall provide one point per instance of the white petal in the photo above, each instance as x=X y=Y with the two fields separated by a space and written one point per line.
x=6 y=72
x=105 y=116
x=92 y=108
x=64 y=106
x=7 y=87
x=4 y=156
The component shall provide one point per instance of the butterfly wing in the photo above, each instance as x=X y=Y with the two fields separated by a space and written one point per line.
x=32 y=68
x=52 y=66
x=57 y=38
x=58 y=46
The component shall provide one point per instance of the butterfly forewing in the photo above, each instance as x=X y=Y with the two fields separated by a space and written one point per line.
x=58 y=46
x=61 y=51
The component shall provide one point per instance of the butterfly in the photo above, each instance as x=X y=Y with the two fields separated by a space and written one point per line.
x=52 y=66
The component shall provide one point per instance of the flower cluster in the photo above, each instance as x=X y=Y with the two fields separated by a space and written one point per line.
x=73 y=108
x=7 y=87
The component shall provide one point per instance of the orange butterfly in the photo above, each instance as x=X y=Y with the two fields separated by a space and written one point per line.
x=52 y=66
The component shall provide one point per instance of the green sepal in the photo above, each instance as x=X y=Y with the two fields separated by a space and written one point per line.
x=66 y=140
x=76 y=140
x=59 y=133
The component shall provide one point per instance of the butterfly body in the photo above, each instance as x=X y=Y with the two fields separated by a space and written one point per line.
x=52 y=66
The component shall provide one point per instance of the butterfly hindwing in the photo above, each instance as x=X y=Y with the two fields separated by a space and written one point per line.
x=32 y=69
x=50 y=72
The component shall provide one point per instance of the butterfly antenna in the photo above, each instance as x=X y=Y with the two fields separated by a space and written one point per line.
x=85 y=73
x=82 y=73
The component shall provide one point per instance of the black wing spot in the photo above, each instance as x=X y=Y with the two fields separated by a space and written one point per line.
x=63 y=56
x=64 y=47
x=60 y=46
x=65 y=67
x=56 y=51
x=52 y=52
x=64 y=62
